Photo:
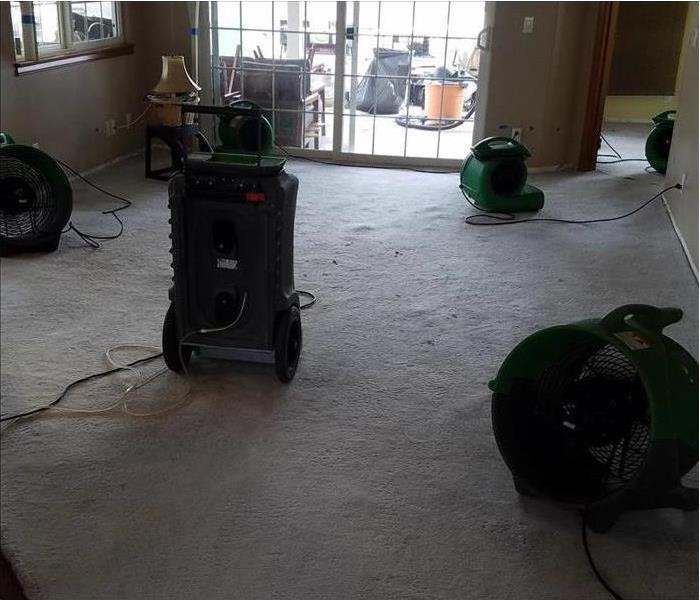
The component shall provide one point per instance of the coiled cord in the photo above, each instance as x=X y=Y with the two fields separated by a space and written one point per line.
x=73 y=384
x=92 y=239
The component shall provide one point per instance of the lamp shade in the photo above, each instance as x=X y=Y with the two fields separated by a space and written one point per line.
x=174 y=78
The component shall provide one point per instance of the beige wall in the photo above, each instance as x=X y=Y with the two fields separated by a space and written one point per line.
x=636 y=109
x=539 y=81
x=64 y=109
x=684 y=149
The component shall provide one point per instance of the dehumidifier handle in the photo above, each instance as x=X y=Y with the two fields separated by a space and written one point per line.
x=483 y=41
x=649 y=320
x=223 y=111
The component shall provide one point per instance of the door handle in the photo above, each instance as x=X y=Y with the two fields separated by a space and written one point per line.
x=483 y=39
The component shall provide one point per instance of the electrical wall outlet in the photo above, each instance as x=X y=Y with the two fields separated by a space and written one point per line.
x=110 y=127
x=517 y=134
x=528 y=24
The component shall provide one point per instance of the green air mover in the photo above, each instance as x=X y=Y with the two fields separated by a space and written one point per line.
x=601 y=413
x=245 y=132
x=494 y=175
x=658 y=143
x=36 y=199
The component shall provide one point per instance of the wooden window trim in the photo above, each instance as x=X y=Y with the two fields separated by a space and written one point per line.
x=72 y=58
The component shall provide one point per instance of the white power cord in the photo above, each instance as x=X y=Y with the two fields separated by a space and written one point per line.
x=136 y=120
x=121 y=401
x=211 y=330
x=141 y=380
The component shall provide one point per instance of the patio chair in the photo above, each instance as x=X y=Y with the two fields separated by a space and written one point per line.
x=302 y=108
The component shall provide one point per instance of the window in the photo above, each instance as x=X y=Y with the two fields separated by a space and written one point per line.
x=45 y=29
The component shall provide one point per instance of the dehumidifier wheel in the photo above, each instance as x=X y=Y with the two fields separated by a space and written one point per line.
x=172 y=355
x=288 y=344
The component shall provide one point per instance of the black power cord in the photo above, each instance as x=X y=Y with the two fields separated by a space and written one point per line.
x=506 y=218
x=77 y=382
x=310 y=296
x=616 y=155
x=619 y=160
x=591 y=562
x=89 y=238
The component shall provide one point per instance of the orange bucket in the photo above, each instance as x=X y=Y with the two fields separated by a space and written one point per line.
x=452 y=96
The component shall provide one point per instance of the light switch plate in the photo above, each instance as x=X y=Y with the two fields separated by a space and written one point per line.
x=528 y=24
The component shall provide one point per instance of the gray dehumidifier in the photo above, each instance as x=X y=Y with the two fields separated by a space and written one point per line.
x=232 y=218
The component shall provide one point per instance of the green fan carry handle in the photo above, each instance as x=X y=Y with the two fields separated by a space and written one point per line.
x=495 y=147
x=245 y=104
x=650 y=321
x=6 y=138
x=242 y=107
x=665 y=117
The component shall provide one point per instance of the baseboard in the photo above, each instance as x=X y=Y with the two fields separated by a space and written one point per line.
x=689 y=258
x=550 y=168
x=442 y=165
x=643 y=120
x=109 y=163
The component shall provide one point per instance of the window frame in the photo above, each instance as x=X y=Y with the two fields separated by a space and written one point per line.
x=345 y=77
x=67 y=47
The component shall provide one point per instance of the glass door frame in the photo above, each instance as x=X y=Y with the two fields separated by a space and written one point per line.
x=337 y=154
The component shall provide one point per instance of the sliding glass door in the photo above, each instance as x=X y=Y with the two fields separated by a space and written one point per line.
x=389 y=79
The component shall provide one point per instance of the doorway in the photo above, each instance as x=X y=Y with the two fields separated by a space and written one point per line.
x=389 y=81
x=638 y=50
x=644 y=74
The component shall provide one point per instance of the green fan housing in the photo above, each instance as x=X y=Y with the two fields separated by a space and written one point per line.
x=658 y=144
x=602 y=413
x=494 y=176
x=36 y=199
x=245 y=130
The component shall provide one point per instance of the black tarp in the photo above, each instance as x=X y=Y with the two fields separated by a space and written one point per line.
x=383 y=95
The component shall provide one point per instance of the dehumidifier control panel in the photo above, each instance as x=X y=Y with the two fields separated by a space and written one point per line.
x=225 y=188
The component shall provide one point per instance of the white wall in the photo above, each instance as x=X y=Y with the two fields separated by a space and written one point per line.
x=684 y=149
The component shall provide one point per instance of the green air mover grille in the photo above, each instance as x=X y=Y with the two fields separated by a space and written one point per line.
x=508 y=176
x=594 y=403
x=26 y=203
x=601 y=413
x=35 y=199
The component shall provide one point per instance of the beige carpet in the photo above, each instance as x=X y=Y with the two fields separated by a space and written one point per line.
x=375 y=473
